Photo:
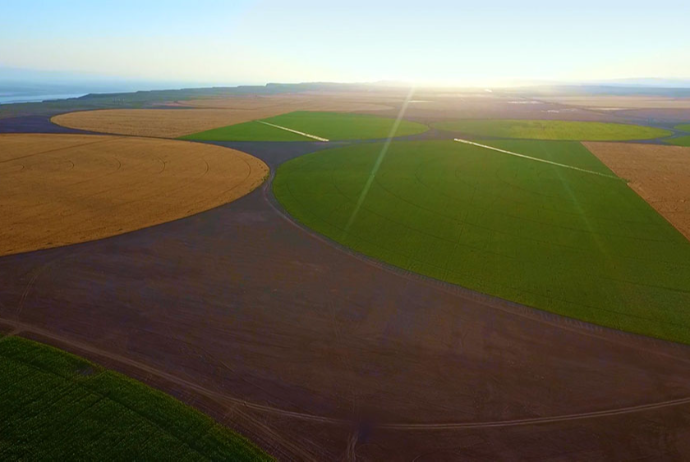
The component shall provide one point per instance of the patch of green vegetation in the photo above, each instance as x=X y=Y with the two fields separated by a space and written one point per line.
x=57 y=406
x=683 y=127
x=248 y=131
x=330 y=125
x=562 y=240
x=552 y=130
x=680 y=141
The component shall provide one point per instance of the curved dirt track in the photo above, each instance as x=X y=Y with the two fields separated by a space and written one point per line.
x=64 y=189
x=243 y=313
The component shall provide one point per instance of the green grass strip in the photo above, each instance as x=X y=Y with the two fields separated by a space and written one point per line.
x=551 y=130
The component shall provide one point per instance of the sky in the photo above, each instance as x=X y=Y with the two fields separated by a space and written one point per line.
x=437 y=42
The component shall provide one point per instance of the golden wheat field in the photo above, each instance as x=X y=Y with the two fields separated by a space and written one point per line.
x=65 y=189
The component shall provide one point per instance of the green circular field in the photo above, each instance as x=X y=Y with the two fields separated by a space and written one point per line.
x=577 y=242
x=683 y=127
x=313 y=126
x=552 y=130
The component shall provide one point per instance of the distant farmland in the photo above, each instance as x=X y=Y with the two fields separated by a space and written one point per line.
x=575 y=243
x=56 y=406
x=328 y=125
x=552 y=130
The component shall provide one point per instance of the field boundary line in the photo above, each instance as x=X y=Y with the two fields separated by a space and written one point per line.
x=318 y=138
x=460 y=140
x=237 y=403
x=226 y=400
x=13 y=332
x=541 y=420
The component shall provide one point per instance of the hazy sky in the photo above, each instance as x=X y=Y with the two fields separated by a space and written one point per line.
x=445 y=42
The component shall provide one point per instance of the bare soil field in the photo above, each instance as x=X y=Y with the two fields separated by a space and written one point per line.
x=199 y=115
x=621 y=102
x=659 y=174
x=34 y=124
x=64 y=189
x=289 y=339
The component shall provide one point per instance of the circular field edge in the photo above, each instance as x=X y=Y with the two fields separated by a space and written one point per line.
x=255 y=173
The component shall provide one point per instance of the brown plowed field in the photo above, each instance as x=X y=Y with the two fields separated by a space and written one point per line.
x=286 y=337
x=173 y=123
x=659 y=174
x=63 y=189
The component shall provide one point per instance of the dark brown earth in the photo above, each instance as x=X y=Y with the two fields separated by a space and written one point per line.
x=34 y=124
x=295 y=342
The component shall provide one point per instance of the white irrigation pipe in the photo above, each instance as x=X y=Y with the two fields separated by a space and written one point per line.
x=294 y=131
x=459 y=140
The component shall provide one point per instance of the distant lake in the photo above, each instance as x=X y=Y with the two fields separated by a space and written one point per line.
x=10 y=97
